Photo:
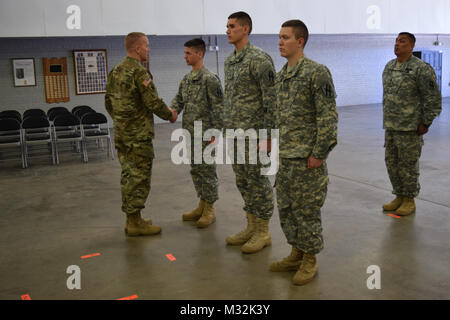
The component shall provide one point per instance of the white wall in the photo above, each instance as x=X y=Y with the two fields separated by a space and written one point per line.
x=36 y=18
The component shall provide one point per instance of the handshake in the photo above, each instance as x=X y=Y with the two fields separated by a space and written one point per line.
x=174 y=115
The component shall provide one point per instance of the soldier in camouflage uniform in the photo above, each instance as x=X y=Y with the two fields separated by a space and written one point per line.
x=306 y=116
x=200 y=96
x=248 y=103
x=411 y=101
x=131 y=99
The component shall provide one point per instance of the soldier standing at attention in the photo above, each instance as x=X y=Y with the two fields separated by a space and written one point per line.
x=131 y=99
x=306 y=116
x=411 y=101
x=200 y=97
x=248 y=103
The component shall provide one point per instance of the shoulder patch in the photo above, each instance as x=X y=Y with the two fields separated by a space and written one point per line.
x=432 y=85
x=327 y=90
x=147 y=82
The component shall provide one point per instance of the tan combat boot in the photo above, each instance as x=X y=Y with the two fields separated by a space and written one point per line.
x=147 y=221
x=208 y=216
x=196 y=213
x=136 y=226
x=307 y=271
x=243 y=236
x=393 y=205
x=289 y=263
x=260 y=238
x=408 y=207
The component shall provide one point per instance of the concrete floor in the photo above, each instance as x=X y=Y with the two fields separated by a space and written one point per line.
x=53 y=215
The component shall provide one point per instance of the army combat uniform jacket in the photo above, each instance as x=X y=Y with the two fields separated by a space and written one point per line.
x=200 y=98
x=410 y=95
x=249 y=89
x=306 y=113
x=131 y=99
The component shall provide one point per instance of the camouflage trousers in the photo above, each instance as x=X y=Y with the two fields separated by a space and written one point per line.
x=254 y=187
x=301 y=193
x=402 y=153
x=204 y=177
x=136 y=161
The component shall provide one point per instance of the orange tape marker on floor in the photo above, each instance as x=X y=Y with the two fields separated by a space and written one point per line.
x=129 y=298
x=26 y=297
x=170 y=257
x=90 y=255
x=393 y=216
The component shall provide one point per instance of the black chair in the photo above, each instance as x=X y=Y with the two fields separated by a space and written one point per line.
x=36 y=130
x=14 y=114
x=100 y=131
x=56 y=108
x=11 y=135
x=56 y=112
x=67 y=128
x=81 y=112
x=75 y=109
x=34 y=113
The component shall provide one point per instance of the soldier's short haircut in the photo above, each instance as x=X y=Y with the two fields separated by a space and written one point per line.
x=197 y=43
x=410 y=36
x=132 y=38
x=300 y=29
x=243 y=18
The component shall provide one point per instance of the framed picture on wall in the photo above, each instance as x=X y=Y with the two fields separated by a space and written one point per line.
x=23 y=70
x=91 y=70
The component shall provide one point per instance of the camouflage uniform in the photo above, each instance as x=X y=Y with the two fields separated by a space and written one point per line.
x=410 y=97
x=131 y=99
x=306 y=116
x=248 y=104
x=200 y=96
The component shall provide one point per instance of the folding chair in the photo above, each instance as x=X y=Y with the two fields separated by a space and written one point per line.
x=34 y=113
x=56 y=112
x=53 y=109
x=98 y=132
x=11 y=135
x=35 y=131
x=14 y=114
x=67 y=128
x=81 y=112
x=75 y=109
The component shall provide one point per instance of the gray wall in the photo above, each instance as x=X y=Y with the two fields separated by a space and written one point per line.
x=355 y=61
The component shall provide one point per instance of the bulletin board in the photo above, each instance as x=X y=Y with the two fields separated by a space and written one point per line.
x=91 y=69
x=23 y=72
x=56 y=80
